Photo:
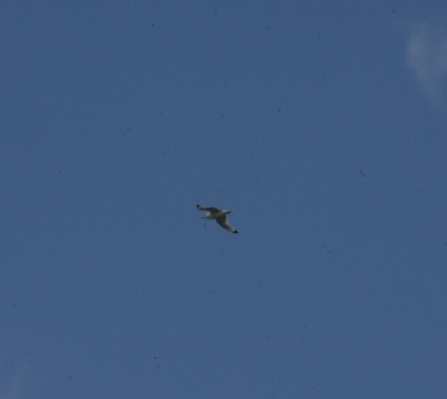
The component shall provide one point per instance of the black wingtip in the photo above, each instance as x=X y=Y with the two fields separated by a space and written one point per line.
x=198 y=206
x=235 y=232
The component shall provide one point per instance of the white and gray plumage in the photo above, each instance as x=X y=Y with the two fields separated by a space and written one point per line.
x=219 y=214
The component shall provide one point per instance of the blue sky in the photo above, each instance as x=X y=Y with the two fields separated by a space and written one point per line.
x=322 y=124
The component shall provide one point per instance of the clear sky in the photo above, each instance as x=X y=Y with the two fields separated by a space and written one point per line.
x=321 y=123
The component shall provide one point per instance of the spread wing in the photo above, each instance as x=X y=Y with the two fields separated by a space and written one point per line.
x=222 y=220
x=207 y=208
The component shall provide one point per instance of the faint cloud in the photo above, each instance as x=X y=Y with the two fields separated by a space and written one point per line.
x=427 y=58
x=12 y=390
x=14 y=380
x=11 y=387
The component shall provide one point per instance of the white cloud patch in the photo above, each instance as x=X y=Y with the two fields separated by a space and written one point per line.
x=427 y=58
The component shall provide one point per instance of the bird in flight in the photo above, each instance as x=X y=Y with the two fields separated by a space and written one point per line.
x=219 y=214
